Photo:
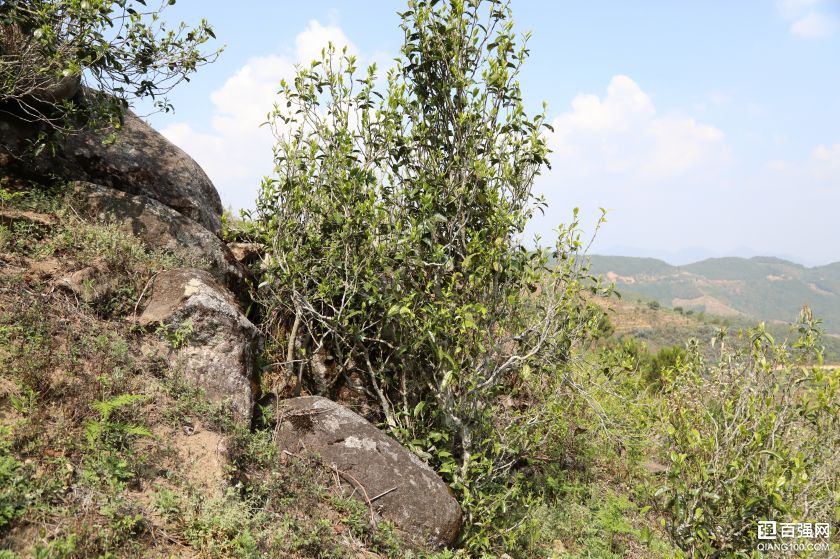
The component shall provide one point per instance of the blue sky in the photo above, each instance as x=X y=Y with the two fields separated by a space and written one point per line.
x=707 y=128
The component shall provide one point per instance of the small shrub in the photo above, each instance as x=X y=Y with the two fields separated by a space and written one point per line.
x=177 y=335
x=751 y=438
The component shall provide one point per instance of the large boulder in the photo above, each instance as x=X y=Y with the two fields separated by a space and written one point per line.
x=137 y=160
x=161 y=227
x=213 y=344
x=403 y=489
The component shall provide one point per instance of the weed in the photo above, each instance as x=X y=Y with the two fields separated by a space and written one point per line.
x=177 y=335
x=13 y=483
x=113 y=432
x=5 y=237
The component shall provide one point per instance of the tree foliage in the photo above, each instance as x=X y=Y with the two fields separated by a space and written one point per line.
x=120 y=48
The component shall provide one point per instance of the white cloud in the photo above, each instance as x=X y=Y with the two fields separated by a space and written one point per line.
x=813 y=26
x=790 y=8
x=825 y=153
x=315 y=37
x=820 y=169
x=621 y=136
x=810 y=19
x=236 y=153
x=825 y=162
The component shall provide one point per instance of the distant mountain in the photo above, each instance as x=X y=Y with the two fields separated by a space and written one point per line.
x=763 y=288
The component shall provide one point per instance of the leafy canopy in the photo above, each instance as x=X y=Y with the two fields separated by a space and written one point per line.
x=121 y=48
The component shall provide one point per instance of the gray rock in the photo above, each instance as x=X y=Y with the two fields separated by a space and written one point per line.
x=33 y=219
x=91 y=284
x=161 y=227
x=248 y=254
x=139 y=161
x=216 y=346
x=413 y=497
x=54 y=90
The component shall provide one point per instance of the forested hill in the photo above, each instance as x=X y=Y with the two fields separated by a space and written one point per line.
x=763 y=288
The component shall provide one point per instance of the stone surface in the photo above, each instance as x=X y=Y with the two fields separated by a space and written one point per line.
x=10 y=218
x=54 y=90
x=161 y=227
x=139 y=161
x=215 y=347
x=91 y=284
x=247 y=254
x=413 y=497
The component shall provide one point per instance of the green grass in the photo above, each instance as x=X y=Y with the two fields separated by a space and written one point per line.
x=595 y=520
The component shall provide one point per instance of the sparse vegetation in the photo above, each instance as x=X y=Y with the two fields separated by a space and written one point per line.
x=88 y=408
x=751 y=437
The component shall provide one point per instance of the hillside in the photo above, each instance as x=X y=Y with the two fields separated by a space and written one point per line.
x=659 y=328
x=760 y=288
x=371 y=363
x=110 y=444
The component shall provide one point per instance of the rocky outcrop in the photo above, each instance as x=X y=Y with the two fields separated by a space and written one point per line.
x=161 y=227
x=137 y=160
x=213 y=344
x=402 y=488
x=152 y=190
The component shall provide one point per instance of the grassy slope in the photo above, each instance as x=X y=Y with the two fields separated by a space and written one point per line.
x=631 y=266
x=106 y=452
x=77 y=481
x=766 y=289
x=659 y=327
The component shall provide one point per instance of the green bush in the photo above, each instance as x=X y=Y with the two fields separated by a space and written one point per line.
x=394 y=224
x=753 y=437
